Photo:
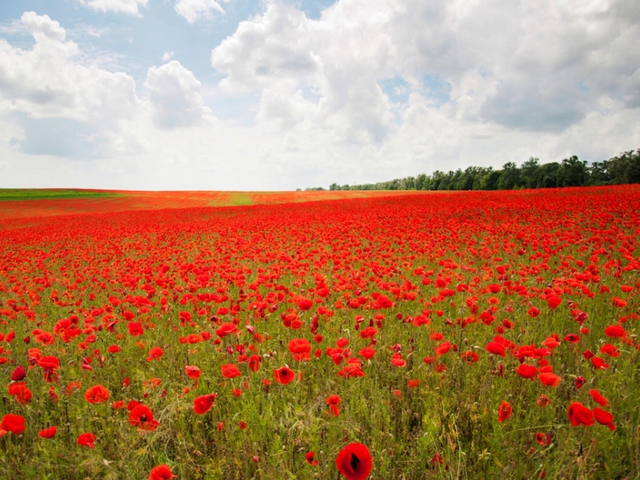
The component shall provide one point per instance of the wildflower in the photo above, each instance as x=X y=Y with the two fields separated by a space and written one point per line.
x=48 y=432
x=333 y=401
x=86 y=440
x=580 y=415
x=598 y=398
x=141 y=417
x=504 y=411
x=96 y=394
x=284 y=375
x=354 y=461
x=12 y=423
x=161 y=472
x=155 y=353
x=310 y=457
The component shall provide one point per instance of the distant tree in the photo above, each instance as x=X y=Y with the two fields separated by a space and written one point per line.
x=599 y=173
x=510 y=176
x=548 y=175
x=529 y=172
x=420 y=181
x=490 y=180
x=572 y=172
x=625 y=168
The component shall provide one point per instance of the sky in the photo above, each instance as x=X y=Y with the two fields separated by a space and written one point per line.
x=279 y=95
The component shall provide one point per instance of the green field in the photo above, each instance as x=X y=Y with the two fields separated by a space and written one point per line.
x=43 y=194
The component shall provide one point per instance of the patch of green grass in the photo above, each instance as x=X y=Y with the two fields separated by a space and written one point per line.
x=42 y=194
x=239 y=199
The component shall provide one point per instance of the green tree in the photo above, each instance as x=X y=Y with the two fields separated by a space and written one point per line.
x=572 y=172
x=529 y=172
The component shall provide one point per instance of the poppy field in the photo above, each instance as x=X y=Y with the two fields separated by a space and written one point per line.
x=426 y=335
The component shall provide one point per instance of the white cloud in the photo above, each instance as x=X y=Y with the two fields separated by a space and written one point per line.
x=193 y=10
x=338 y=59
x=167 y=56
x=118 y=6
x=546 y=63
x=176 y=100
x=46 y=82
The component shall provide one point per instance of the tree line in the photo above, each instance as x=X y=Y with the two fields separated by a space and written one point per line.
x=570 y=172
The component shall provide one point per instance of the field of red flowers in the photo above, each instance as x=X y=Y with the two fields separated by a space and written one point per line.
x=465 y=335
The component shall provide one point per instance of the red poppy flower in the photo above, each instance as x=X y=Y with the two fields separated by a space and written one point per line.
x=192 y=372
x=580 y=415
x=543 y=400
x=18 y=374
x=155 y=353
x=203 y=404
x=549 y=379
x=614 y=331
x=579 y=382
x=368 y=332
x=333 y=401
x=225 y=329
x=572 y=338
x=254 y=363
x=12 y=423
x=504 y=411
x=543 y=439
x=310 y=457
x=599 y=363
x=20 y=392
x=48 y=432
x=300 y=348
x=230 y=370
x=553 y=301
x=96 y=394
x=444 y=347
x=496 y=348
x=304 y=304
x=113 y=349
x=598 y=398
x=161 y=472
x=398 y=361
x=527 y=371
x=141 y=417
x=354 y=461
x=604 y=418
x=284 y=375
x=610 y=350
x=367 y=353
x=135 y=329
x=87 y=440
x=413 y=383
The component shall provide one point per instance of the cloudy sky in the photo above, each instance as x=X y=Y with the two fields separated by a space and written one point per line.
x=278 y=95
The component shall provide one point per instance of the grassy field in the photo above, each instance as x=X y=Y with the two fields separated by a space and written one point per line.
x=16 y=194
x=477 y=335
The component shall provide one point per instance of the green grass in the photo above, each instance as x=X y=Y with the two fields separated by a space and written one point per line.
x=240 y=199
x=14 y=194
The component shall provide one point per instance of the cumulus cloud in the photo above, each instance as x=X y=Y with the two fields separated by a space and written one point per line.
x=529 y=66
x=46 y=82
x=118 y=6
x=193 y=10
x=175 y=97
x=338 y=59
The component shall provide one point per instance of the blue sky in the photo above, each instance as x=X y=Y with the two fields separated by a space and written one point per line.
x=277 y=95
